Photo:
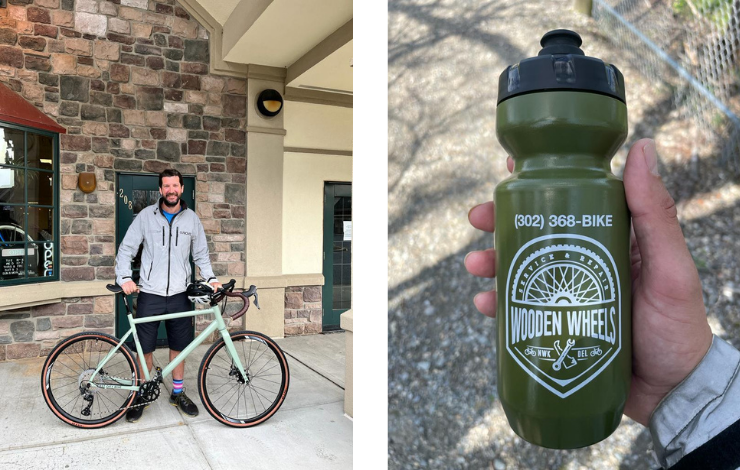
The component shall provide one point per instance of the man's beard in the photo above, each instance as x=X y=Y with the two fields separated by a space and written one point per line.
x=171 y=204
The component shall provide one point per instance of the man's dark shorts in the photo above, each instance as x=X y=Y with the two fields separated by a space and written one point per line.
x=179 y=330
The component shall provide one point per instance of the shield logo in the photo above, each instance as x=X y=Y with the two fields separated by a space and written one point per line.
x=563 y=311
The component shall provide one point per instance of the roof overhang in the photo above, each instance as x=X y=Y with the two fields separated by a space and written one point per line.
x=15 y=109
x=310 y=40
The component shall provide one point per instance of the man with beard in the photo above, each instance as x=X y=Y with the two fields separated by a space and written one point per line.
x=169 y=231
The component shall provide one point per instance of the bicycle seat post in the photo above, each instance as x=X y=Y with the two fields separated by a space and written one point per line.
x=125 y=302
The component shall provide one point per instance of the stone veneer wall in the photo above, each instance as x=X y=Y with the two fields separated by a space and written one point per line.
x=303 y=310
x=130 y=81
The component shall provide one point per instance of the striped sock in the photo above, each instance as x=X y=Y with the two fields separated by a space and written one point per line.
x=176 y=387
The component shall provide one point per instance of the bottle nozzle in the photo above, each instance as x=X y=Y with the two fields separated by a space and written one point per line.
x=561 y=41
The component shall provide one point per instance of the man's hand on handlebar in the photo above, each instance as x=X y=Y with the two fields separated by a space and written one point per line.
x=215 y=285
x=129 y=287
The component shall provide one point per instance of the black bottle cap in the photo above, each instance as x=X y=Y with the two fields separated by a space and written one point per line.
x=561 y=65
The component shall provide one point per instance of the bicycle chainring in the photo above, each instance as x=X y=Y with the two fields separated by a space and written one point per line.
x=149 y=391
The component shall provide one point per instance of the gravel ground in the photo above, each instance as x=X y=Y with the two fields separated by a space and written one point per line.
x=445 y=57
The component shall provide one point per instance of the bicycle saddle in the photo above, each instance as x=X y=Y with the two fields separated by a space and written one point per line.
x=115 y=288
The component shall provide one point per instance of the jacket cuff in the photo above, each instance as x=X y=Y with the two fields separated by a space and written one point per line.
x=703 y=405
x=120 y=280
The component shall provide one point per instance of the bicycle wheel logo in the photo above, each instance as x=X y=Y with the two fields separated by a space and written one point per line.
x=563 y=322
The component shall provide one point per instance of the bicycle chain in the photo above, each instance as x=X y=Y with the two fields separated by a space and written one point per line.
x=148 y=391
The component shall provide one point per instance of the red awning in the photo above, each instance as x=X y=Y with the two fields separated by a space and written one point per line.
x=15 y=109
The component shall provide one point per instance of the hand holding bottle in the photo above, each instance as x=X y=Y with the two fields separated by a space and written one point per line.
x=670 y=333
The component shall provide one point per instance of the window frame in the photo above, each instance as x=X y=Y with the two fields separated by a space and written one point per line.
x=56 y=236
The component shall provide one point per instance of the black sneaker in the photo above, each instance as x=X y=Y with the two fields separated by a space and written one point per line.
x=135 y=412
x=184 y=403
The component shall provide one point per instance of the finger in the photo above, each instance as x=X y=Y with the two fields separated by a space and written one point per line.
x=481 y=263
x=510 y=164
x=481 y=216
x=662 y=247
x=485 y=302
x=635 y=260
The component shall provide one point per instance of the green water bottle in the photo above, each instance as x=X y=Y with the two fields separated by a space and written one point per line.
x=562 y=241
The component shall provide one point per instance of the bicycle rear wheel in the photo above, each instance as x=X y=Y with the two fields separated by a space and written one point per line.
x=66 y=375
x=237 y=402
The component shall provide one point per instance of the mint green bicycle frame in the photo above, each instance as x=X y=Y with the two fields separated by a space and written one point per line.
x=218 y=324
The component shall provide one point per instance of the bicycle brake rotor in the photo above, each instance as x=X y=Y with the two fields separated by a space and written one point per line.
x=83 y=382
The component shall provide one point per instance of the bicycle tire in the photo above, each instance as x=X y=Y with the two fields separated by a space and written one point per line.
x=217 y=371
x=71 y=353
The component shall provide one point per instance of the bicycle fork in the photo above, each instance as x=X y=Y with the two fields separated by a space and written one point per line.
x=236 y=364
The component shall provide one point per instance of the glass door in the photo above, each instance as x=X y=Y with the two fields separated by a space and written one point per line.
x=337 y=290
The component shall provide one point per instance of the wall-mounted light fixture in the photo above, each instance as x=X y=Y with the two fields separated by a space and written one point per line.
x=86 y=182
x=269 y=103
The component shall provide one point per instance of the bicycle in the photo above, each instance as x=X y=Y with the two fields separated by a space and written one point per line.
x=91 y=379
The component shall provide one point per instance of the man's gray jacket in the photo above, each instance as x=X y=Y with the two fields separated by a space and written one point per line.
x=697 y=425
x=165 y=266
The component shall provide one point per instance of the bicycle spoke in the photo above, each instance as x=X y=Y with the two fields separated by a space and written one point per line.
x=74 y=371
x=109 y=400
x=74 y=379
x=77 y=363
x=243 y=395
x=228 y=363
x=259 y=394
x=277 y=364
x=224 y=393
x=77 y=397
x=250 y=350
x=263 y=353
x=235 y=392
x=236 y=403
x=258 y=399
x=263 y=389
x=222 y=368
x=225 y=383
x=76 y=390
x=271 y=381
x=257 y=373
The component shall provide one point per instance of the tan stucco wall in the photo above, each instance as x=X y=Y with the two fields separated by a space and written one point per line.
x=303 y=207
x=318 y=127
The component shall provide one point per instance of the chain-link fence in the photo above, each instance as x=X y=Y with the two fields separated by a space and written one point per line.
x=693 y=46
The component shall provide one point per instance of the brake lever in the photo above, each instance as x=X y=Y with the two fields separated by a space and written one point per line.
x=256 y=303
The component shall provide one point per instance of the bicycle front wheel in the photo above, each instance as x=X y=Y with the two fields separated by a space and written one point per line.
x=244 y=401
x=65 y=380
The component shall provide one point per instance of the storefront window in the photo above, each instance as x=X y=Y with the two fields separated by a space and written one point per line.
x=29 y=213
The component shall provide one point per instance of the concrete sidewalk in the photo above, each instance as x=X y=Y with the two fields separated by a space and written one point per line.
x=310 y=430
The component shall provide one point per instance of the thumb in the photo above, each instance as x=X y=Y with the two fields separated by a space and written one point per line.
x=654 y=216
